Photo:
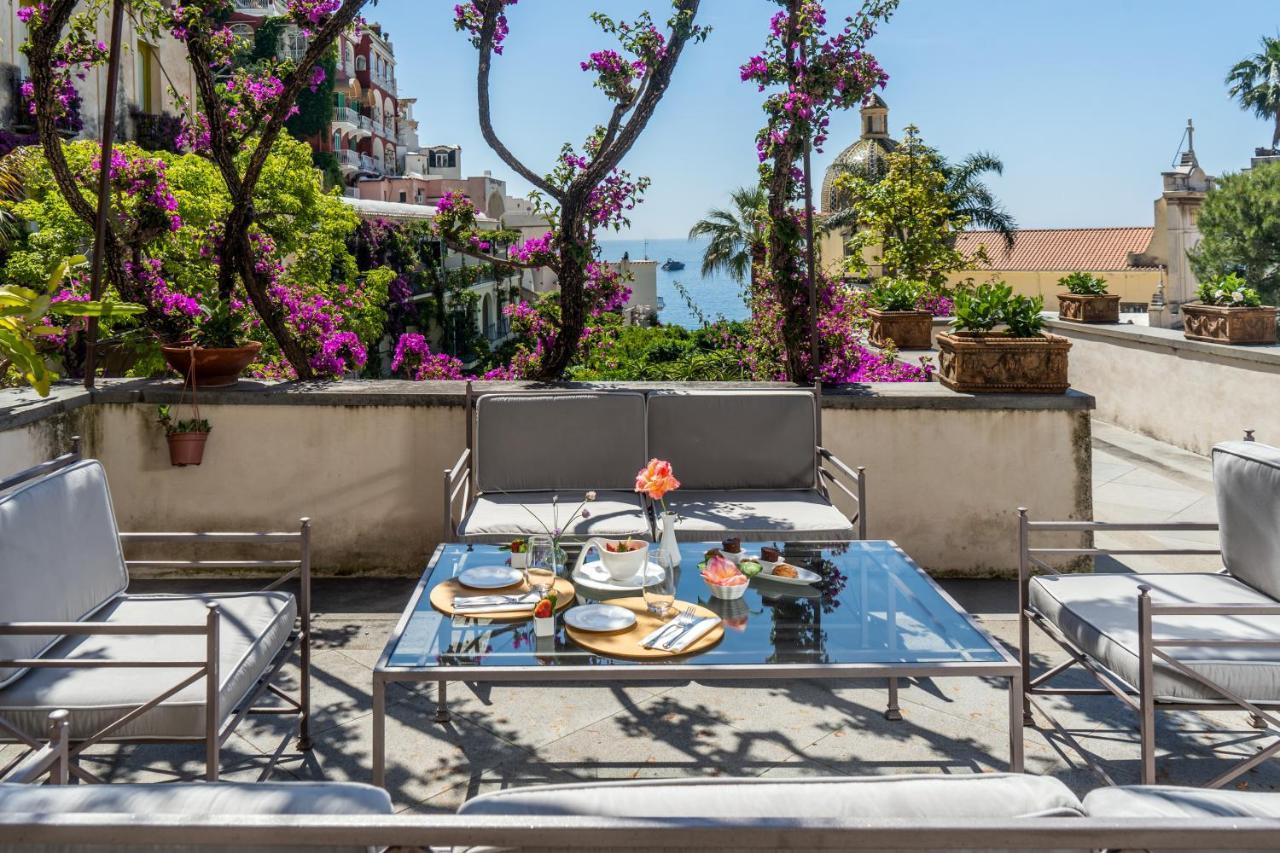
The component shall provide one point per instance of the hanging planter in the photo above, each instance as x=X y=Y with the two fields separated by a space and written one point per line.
x=186 y=438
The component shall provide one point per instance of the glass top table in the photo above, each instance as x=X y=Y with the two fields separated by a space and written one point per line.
x=873 y=614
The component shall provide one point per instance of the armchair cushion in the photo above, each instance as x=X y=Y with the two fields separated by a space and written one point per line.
x=559 y=442
x=60 y=557
x=1246 y=480
x=254 y=626
x=1170 y=801
x=222 y=798
x=498 y=518
x=1099 y=613
x=736 y=439
x=757 y=514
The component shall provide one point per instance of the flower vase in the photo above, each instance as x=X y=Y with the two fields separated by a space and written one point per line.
x=544 y=626
x=519 y=559
x=668 y=549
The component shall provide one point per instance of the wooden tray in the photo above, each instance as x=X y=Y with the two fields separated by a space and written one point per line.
x=442 y=599
x=626 y=644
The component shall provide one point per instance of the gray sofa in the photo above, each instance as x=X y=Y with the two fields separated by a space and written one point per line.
x=166 y=668
x=1175 y=640
x=748 y=460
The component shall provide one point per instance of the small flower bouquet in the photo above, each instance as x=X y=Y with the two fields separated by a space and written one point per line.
x=544 y=616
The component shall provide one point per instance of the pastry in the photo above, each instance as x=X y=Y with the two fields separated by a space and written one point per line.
x=784 y=570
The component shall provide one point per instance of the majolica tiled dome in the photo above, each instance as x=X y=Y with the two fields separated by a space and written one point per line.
x=866 y=153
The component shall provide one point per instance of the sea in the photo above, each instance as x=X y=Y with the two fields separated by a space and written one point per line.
x=713 y=298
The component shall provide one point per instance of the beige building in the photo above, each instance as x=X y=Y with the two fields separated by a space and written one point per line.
x=149 y=69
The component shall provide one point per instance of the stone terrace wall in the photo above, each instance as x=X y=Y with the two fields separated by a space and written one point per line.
x=364 y=459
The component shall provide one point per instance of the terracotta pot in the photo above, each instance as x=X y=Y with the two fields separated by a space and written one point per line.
x=904 y=329
x=187 y=448
x=1225 y=325
x=1089 y=308
x=997 y=362
x=214 y=368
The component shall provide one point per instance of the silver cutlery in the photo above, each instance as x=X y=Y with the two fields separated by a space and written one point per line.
x=681 y=620
x=669 y=645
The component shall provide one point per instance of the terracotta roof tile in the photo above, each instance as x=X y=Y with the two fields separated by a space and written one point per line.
x=1060 y=249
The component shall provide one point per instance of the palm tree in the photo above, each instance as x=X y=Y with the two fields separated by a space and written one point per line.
x=736 y=234
x=1255 y=83
x=970 y=196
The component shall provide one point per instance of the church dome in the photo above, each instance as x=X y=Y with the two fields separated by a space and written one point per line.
x=866 y=155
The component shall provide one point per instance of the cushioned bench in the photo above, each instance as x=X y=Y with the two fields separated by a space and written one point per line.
x=1178 y=639
x=63 y=615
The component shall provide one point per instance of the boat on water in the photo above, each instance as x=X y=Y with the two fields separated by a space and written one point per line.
x=673 y=264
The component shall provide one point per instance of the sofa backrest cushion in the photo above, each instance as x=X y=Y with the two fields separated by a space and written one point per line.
x=1246 y=480
x=559 y=441
x=736 y=439
x=1168 y=801
x=60 y=557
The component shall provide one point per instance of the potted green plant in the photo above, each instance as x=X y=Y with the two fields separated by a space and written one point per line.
x=186 y=437
x=214 y=356
x=1229 y=312
x=979 y=357
x=1087 y=300
x=895 y=319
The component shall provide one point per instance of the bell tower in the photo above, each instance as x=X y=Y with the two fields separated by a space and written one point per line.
x=875 y=118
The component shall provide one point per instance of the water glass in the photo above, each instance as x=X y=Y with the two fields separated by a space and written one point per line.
x=540 y=570
x=660 y=585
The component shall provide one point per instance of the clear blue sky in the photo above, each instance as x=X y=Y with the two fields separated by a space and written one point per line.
x=1084 y=100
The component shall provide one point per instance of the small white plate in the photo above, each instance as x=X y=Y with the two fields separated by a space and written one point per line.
x=490 y=577
x=593 y=574
x=805 y=577
x=599 y=617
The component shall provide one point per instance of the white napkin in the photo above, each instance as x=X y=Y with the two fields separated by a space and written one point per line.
x=494 y=603
x=695 y=633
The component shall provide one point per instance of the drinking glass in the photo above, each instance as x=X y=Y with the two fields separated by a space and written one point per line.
x=660 y=585
x=540 y=571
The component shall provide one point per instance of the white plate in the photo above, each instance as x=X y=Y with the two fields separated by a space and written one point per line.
x=599 y=617
x=593 y=575
x=805 y=577
x=490 y=577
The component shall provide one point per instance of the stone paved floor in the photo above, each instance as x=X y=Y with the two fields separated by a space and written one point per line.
x=522 y=735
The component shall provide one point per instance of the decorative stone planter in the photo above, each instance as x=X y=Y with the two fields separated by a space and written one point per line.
x=1225 y=325
x=904 y=329
x=214 y=368
x=997 y=362
x=1089 y=308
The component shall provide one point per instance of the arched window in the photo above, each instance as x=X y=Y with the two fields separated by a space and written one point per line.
x=294 y=44
x=362 y=64
x=243 y=32
x=337 y=140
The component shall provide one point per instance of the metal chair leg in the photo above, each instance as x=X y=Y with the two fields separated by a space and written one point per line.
x=1146 y=687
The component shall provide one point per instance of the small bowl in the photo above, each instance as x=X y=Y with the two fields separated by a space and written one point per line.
x=730 y=592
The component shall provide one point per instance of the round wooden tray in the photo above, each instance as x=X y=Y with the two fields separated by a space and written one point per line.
x=626 y=644
x=442 y=599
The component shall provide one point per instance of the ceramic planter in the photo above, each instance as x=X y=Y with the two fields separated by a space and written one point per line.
x=1224 y=325
x=997 y=362
x=904 y=329
x=186 y=448
x=1089 y=308
x=214 y=368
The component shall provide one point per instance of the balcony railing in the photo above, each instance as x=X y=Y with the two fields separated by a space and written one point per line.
x=366 y=124
x=346 y=115
x=348 y=158
x=369 y=164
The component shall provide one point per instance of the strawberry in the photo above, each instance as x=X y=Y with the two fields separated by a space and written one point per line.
x=544 y=609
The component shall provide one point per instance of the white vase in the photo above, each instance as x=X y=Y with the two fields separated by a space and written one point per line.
x=519 y=559
x=668 y=549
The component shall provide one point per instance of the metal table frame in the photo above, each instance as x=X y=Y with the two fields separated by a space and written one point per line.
x=384 y=673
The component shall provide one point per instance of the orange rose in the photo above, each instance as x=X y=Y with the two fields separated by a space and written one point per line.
x=656 y=479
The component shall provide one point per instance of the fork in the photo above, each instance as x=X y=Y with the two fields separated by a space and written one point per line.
x=686 y=617
x=694 y=620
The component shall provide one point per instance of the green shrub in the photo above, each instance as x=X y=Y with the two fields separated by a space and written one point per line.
x=1228 y=290
x=986 y=306
x=891 y=294
x=1084 y=284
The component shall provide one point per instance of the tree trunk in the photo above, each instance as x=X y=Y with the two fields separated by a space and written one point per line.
x=1275 y=135
x=572 y=280
x=272 y=317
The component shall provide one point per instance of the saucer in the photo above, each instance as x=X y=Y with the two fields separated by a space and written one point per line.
x=594 y=575
x=490 y=577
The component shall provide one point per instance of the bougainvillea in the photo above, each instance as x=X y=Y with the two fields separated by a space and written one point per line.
x=414 y=359
x=808 y=72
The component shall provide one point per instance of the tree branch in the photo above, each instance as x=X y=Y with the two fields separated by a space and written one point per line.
x=492 y=8
x=464 y=249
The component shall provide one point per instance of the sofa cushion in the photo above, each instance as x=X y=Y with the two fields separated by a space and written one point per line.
x=221 y=798
x=752 y=514
x=989 y=795
x=559 y=442
x=1172 y=801
x=1246 y=480
x=736 y=439
x=1100 y=614
x=60 y=556
x=498 y=518
x=253 y=628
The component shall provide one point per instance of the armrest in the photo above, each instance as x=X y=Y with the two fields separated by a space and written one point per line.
x=209 y=629
x=1029 y=555
x=858 y=492
x=457 y=480
x=51 y=758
